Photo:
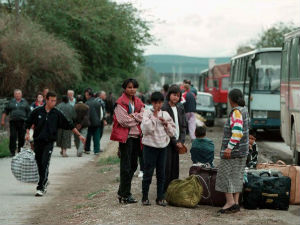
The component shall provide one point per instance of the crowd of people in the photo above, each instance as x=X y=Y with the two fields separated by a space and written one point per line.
x=152 y=134
x=159 y=132
x=83 y=116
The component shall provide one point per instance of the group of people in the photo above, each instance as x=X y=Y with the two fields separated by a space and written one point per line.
x=55 y=124
x=159 y=132
x=154 y=134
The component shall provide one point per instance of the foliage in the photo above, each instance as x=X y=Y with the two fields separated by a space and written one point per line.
x=111 y=160
x=243 y=49
x=4 y=150
x=274 y=36
x=31 y=58
x=107 y=35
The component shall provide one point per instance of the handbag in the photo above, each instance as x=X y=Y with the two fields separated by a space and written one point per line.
x=208 y=180
x=181 y=150
x=292 y=171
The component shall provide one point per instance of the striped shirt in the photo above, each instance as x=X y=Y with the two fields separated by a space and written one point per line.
x=130 y=121
x=155 y=134
x=236 y=124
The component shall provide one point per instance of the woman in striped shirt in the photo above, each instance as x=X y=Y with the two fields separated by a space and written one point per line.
x=234 y=152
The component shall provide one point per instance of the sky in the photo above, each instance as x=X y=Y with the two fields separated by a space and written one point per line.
x=211 y=28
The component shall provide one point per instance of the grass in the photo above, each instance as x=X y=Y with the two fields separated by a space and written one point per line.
x=105 y=170
x=4 y=150
x=94 y=194
x=111 y=160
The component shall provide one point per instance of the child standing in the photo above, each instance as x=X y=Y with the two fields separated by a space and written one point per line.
x=177 y=113
x=253 y=151
x=157 y=127
x=202 y=148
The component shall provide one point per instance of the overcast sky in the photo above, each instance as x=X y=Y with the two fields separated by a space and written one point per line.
x=211 y=28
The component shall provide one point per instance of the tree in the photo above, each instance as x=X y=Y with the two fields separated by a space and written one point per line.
x=243 y=49
x=274 y=36
x=107 y=35
x=31 y=58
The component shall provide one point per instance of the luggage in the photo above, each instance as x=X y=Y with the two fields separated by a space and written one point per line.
x=24 y=167
x=291 y=171
x=266 y=190
x=184 y=193
x=210 y=195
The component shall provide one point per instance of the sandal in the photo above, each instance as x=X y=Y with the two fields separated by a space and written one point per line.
x=146 y=202
x=161 y=202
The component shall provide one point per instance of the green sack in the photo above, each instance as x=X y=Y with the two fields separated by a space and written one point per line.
x=184 y=193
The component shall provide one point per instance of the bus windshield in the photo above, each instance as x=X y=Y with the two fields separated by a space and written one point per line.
x=204 y=100
x=267 y=72
x=225 y=83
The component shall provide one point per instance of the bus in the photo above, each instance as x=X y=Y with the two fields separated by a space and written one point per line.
x=215 y=81
x=290 y=93
x=257 y=75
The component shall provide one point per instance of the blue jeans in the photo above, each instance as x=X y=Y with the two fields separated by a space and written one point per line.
x=154 y=158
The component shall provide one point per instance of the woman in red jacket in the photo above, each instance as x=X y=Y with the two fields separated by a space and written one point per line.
x=126 y=130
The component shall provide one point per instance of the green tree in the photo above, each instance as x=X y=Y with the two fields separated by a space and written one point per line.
x=107 y=35
x=31 y=58
x=274 y=36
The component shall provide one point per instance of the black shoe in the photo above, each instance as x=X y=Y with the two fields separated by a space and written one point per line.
x=231 y=209
x=161 y=202
x=87 y=152
x=146 y=202
x=128 y=200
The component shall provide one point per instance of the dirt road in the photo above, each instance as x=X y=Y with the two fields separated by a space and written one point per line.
x=89 y=197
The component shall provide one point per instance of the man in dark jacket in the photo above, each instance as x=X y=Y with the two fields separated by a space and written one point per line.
x=95 y=122
x=18 y=110
x=46 y=120
x=189 y=103
x=82 y=122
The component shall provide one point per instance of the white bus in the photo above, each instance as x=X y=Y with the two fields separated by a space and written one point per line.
x=290 y=93
x=257 y=75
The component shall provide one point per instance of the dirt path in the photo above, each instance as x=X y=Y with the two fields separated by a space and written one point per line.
x=89 y=197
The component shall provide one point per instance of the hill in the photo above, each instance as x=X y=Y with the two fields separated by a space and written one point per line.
x=180 y=64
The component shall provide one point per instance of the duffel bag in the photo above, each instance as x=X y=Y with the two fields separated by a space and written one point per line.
x=292 y=171
x=209 y=175
x=24 y=167
x=266 y=190
x=184 y=193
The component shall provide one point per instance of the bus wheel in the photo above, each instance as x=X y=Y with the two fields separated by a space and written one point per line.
x=296 y=154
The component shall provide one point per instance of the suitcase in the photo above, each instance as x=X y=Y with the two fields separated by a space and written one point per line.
x=208 y=180
x=266 y=190
x=291 y=171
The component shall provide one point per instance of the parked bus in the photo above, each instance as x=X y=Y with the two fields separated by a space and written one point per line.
x=290 y=93
x=257 y=75
x=215 y=81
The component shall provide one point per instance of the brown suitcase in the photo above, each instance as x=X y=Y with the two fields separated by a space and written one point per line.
x=291 y=171
x=207 y=177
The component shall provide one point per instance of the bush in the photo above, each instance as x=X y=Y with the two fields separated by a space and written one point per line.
x=31 y=58
x=4 y=149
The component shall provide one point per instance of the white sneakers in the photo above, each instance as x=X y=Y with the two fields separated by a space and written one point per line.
x=40 y=193
x=140 y=174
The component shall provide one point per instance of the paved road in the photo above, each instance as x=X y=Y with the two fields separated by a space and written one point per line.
x=17 y=199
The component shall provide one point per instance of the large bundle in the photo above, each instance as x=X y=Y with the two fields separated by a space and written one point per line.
x=184 y=193
x=24 y=168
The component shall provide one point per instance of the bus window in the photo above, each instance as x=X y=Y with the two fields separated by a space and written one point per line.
x=284 y=63
x=294 y=61
x=216 y=84
x=267 y=72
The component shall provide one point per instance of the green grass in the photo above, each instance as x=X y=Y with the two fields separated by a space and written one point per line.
x=105 y=170
x=4 y=150
x=94 y=194
x=111 y=160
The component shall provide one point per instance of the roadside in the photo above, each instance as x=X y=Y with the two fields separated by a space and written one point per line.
x=89 y=197
x=17 y=199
